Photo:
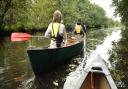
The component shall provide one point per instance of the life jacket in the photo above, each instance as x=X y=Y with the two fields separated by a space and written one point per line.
x=55 y=34
x=78 y=29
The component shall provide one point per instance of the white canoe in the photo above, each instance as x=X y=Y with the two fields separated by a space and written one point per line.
x=95 y=75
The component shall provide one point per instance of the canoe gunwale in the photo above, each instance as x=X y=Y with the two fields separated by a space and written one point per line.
x=45 y=48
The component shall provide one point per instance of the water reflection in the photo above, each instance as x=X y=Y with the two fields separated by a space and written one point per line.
x=101 y=52
x=95 y=37
x=54 y=79
x=13 y=62
x=16 y=72
x=119 y=60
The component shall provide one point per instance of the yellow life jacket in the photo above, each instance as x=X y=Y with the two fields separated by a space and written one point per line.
x=77 y=29
x=55 y=30
x=55 y=34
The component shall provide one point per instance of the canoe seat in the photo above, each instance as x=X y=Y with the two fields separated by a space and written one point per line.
x=72 y=40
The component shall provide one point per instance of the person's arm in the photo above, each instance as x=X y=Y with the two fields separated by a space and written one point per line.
x=85 y=26
x=48 y=31
x=82 y=30
x=73 y=31
x=64 y=34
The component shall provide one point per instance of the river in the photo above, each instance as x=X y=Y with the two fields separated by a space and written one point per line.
x=16 y=72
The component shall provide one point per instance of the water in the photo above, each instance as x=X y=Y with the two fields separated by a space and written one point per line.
x=13 y=64
x=16 y=72
x=101 y=51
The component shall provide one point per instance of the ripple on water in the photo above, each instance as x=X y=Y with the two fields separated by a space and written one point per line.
x=1 y=70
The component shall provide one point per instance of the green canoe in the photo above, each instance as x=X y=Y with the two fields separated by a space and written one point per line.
x=43 y=60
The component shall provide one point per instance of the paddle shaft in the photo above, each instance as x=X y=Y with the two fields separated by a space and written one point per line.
x=38 y=36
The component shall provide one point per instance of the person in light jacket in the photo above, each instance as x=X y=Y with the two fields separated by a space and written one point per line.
x=56 y=31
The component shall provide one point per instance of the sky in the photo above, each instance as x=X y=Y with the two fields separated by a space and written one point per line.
x=106 y=5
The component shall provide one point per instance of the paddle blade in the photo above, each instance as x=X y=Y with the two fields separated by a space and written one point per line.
x=18 y=36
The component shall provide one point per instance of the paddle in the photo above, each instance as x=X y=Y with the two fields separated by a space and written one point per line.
x=19 y=36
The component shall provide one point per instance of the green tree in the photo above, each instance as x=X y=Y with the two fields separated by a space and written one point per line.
x=13 y=13
x=120 y=57
x=4 y=7
x=41 y=14
x=121 y=10
x=37 y=14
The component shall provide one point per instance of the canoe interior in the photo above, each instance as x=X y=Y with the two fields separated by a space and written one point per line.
x=95 y=80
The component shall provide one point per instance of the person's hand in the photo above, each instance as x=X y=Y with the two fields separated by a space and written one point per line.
x=65 y=43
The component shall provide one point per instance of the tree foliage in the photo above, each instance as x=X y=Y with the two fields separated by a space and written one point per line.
x=121 y=10
x=119 y=59
x=37 y=14
x=13 y=13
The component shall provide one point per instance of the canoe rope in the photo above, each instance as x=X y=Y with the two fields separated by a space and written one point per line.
x=92 y=81
x=85 y=56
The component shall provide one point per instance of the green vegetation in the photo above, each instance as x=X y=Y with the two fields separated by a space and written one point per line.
x=119 y=61
x=121 y=10
x=13 y=14
x=119 y=57
x=37 y=14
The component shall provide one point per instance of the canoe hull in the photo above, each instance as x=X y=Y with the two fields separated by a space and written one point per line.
x=44 y=60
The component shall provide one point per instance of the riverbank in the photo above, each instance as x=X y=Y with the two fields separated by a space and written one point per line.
x=119 y=60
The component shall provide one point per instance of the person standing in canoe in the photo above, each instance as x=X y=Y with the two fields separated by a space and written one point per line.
x=56 y=30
